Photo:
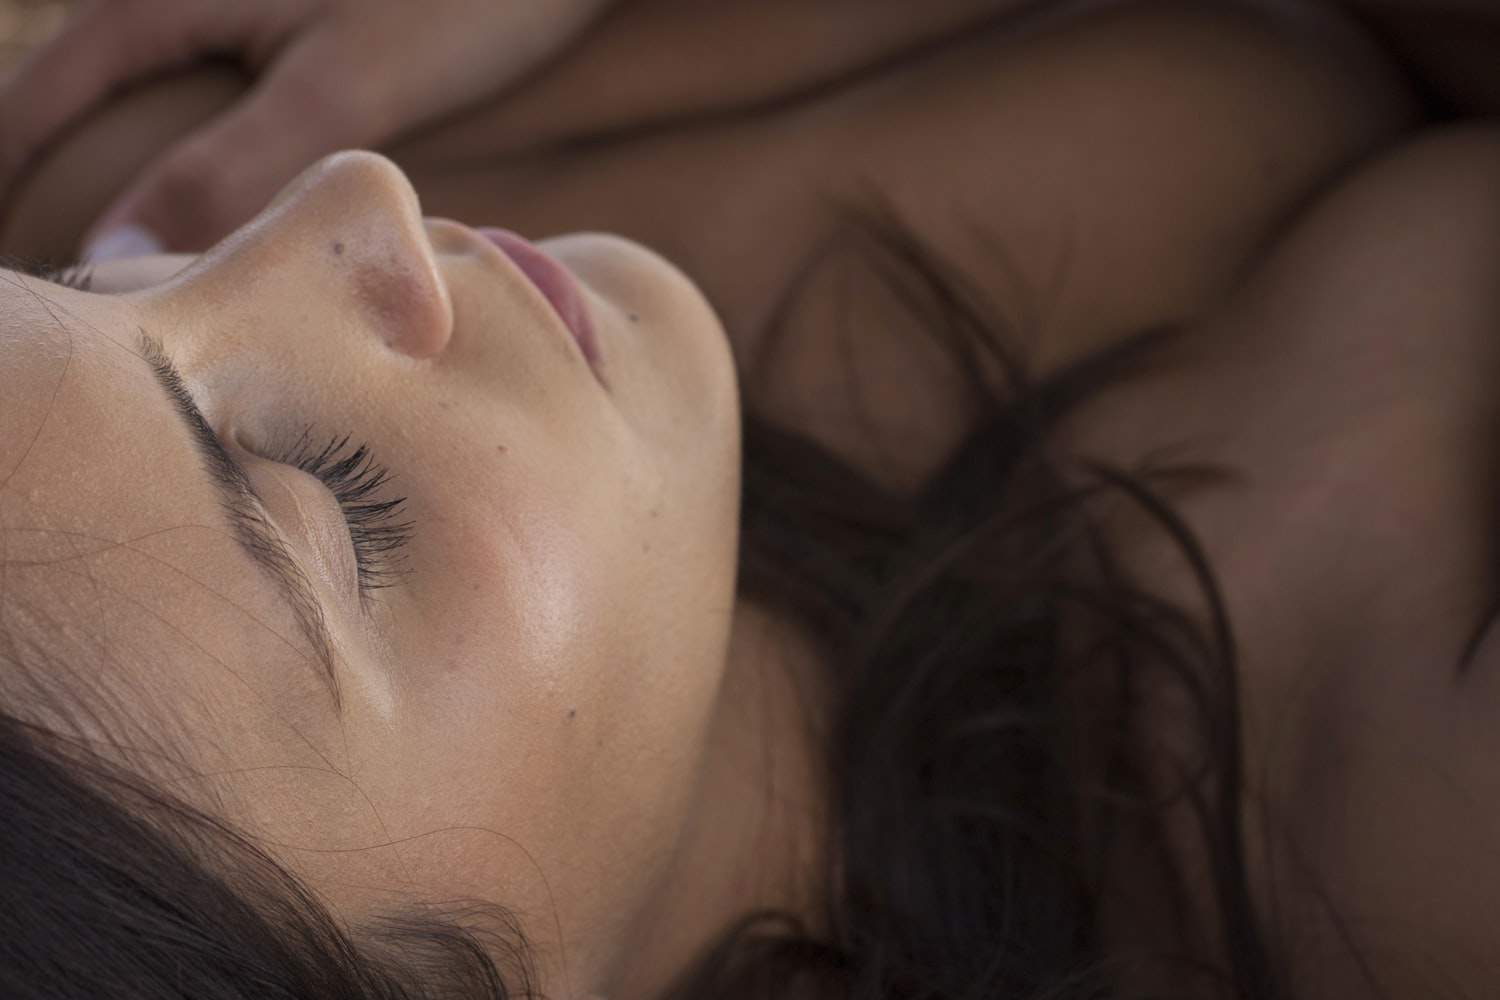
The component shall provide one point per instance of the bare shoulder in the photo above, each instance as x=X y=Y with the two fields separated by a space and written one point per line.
x=1131 y=157
x=1094 y=173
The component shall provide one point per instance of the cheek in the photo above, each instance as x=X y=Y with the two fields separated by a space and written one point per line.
x=557 y=649
x=581 y=632
x=495 y=609
x=568 y=572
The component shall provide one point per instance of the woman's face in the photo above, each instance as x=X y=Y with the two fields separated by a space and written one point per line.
x=509 y=705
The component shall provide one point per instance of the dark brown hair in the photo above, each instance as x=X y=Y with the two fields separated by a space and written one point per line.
x=970 y=844
x=970 y=835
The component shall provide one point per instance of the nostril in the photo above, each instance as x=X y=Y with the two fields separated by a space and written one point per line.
x=360 y=220
x=405 y=303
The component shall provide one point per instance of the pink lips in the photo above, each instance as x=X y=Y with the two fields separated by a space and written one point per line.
x=557 y=286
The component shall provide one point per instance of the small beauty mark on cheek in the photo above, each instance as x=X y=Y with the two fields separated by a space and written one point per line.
x=338 y=249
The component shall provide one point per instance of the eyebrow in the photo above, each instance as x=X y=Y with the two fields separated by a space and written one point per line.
x=246 y=512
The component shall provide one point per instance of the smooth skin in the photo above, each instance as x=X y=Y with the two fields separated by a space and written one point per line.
x=537 y=711
x=1142 y=212
x=1152 y=206
x=1349 y=387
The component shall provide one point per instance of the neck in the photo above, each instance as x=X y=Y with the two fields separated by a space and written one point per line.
x=756 y=841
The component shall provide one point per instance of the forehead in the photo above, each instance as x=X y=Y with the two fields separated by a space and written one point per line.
x=76 y=408
x=114 y=551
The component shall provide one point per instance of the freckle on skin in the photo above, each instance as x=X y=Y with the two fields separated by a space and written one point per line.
x=635 y=317
x=572 y=711
x=338 y=248
x=501 y=448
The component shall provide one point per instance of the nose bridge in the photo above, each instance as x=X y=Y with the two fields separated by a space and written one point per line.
x=351 y=231
x=378 y=241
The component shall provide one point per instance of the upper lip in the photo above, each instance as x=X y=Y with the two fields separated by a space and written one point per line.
x=551 y=282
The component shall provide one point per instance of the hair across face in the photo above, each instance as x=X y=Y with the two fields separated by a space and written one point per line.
x=344 y=529
x=519 y=715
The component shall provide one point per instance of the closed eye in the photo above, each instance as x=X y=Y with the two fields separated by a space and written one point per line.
x=356 y=480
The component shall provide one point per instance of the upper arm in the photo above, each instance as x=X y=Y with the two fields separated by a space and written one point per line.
x=1093 y=178
x=1129 y=163
x=658 y=63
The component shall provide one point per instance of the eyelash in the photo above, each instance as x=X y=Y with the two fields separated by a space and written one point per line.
x=349 y=473
x=353 y=476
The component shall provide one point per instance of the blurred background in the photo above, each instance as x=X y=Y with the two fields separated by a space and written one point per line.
x=23 y=23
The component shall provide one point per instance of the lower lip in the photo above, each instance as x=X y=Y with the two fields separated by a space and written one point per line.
x=557 y=285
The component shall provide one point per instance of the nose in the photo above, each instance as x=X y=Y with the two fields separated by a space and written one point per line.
x=358 y=218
